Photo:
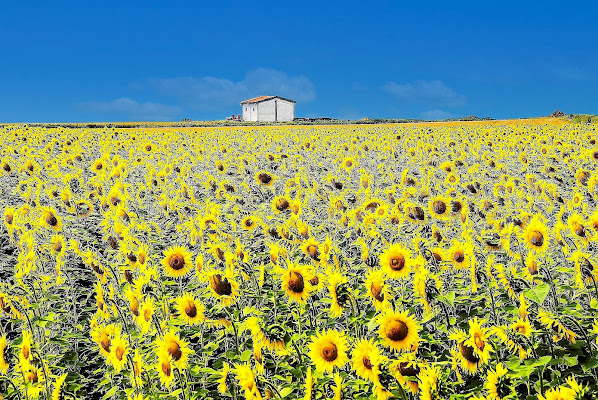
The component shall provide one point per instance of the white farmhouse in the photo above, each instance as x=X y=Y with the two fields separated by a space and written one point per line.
x=268 y=109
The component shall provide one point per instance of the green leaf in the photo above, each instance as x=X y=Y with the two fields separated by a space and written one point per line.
x=110 y=393
x=537 y=294
x=246 y=355
x=284 y=392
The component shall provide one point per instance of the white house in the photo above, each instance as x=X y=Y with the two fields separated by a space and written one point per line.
x=268 y=109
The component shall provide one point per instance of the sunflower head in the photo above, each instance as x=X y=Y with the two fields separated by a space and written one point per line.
x=398 y=331
x=177 y=261
x=328 y=350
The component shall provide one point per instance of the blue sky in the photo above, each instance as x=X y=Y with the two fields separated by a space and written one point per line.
x=125 y=60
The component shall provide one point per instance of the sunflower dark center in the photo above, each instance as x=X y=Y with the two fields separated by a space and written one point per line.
x=397 y=331
x=120 y=351
x=459 y=256
x=191 y=309
x=296 y=282
x=176 y=262
x=175 y=351
x=536 y=239
x=51 y=220
x=105 y=343
x=265 y=178
x=366 y=362
x=376 y=291
x=282 y=204
x=8 y=218
x=468 y=353
x=456 y=206
x=312 y=250
x=397 y=262
x=221 y=286
x=314 y=280
x=330 y=352
x=439 y=207
x=418 y=213
x=579 y=230
x=408 y=369
x=166 y=368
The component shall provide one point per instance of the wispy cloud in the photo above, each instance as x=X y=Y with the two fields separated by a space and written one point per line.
x=132 y=109
x=436 y=114
x=432 y=93
x=209 y=93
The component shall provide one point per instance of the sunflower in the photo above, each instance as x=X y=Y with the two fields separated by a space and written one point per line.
x=3 y=364
x=309 y=383
x=578 y=228
x=222 y=387
x=473 y=348
x=190 y=309
x=498 y=384
x=460 y=254
x=175 y=347
x=177 y=261
x=144 y=320
x=164 y=368
x=328 y=350
x=366 y=359
x=429 y=383
x=264 y=178
x=118 y=352
x=338 y=292
x=246 y=379
x=377 y=289
x=249 y=223
x=280 y=204
x=49 y=219
x=398 y=331
x=295 y=282
x=103 y=336
x=25 y=349
x=535 y=236
x=396 y=261
x=439 y=207
x=310 y=247
x=58 y=386
x=224 y=286
x=522 y=327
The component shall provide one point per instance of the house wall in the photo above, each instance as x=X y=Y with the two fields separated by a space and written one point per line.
x=273 y=110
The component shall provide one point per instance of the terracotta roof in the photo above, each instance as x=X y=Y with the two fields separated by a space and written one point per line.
x=264 y=98
x=257 y=99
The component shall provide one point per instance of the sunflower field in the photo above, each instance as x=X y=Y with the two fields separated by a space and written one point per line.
x=412 y=261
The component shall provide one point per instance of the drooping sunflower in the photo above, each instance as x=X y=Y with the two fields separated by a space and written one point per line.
x=311 y=248
x=190 y=309
x=429 y=383
x=224 y=286
x=366 y=359
x=3 y=364
x=295 y=281
x=328 y=350
x=377 y=289
x=473 y=347
x=338 y=292
x=398 y=331
x=176 y=348
x=164 y=368
x=396 y=261
x=246 y=379
x=522 y=327
x=49 y=219
x=498 y=383
x=578 y=229
x=535 y=235
x=280 y=204
x=58 y=386
x=177 y=261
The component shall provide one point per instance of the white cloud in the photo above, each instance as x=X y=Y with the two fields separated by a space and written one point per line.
x=436 y=115
x=434 y=93
x=210 y=94
x=132 y=109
